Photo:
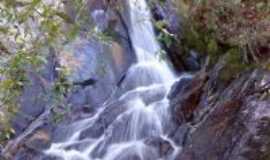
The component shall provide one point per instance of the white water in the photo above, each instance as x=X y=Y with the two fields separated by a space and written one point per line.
x=147 y=83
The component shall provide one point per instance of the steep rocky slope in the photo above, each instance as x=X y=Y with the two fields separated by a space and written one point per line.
x=212 y=118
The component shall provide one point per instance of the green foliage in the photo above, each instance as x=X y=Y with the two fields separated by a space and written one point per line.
x=6 y=132
x=212 y=47
x=164 y=36
x=234 y=65
x=193 y=39
x=62 y=86
x=11 y=86
x=59 y=91
x=241 y=23
x=27 y=27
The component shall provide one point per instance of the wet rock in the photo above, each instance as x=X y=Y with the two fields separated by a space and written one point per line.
x=187 y=100
x=192 y=62
x=180 y=135
x=231 y=123
x=105 y=61
x=51 y=158
x=240 y=132
x=134 y=125
x=26 y=154
x=87 y=58
x=39 y=141
x=167 y=11
x=132 y=156
x=148 y=94
x=1 y=149
x=145 y=70
x=163 y=147
x=223 y=124
x=100 y=18
x=104 y=120
x=33 y=100
x=80 y=145
x=136 y=151
x=178 y=87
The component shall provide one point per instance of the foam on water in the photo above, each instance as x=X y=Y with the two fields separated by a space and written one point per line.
x=145 y=117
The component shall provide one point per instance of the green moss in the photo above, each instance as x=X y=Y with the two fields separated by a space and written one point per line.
x=212 y=47
x=208 y=45
x=193 y=39
x=234 y=65
x=201 y=41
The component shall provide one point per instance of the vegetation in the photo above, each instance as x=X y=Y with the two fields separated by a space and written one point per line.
x=215 y=27
x=28 y=29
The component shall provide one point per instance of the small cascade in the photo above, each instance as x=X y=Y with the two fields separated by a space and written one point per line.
x=120 y=130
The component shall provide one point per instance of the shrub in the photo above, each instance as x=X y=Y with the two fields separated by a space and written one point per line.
x=212 y=26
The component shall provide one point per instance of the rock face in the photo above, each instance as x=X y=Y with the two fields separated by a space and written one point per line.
x=105 y=60
x=167 y=12
x=223 y=122
x=211 y=120
x=92 y=59
x=32 y=101
x=86 y=58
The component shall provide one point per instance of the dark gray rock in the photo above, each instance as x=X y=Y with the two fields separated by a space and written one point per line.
x=180 y=135
x=39 y=141
x=162 y=146
x=178 y=87
x=228 y=123
x=50 y=158
x=132 y=81
x=26 y=155
x=186 y=101
x=104 y=120
x=33 y=100
x=192 y=62
x=79 y=145
x=87 y=58
x=168 y=12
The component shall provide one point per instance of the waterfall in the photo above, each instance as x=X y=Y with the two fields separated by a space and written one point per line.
x=145 y=44
x=123 y=129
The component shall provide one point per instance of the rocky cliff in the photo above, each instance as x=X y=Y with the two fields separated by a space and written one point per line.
x=223 y=122
x=212 y=118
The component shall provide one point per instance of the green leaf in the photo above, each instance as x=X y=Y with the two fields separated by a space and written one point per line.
x=212 y=47
x=73 y=32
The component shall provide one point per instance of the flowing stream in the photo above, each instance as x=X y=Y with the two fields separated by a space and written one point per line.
x=142 y=110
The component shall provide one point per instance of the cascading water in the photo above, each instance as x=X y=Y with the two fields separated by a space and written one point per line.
x=142 y=112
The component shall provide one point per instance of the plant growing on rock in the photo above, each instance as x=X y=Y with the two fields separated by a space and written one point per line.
x=216 y=26
x=27 y=28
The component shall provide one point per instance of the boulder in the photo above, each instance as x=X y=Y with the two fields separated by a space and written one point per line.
x=33 y=100
x=192 y=61
x=104 y=120
x=178 y=86
x=39 y=141
x=86 y=58
x=162 y=146
x=186 y=101
x=221 y=123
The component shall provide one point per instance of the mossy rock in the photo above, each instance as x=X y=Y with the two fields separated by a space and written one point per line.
x=234 y=65
x=202 y=41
